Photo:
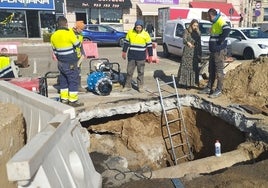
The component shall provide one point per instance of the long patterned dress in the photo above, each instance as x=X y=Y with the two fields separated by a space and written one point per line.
x=188 y=73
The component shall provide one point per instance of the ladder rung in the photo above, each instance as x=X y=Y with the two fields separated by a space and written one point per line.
x=176 y=133
x=179 y=145
x=173 y=134
x=165 y=83
x=184 y=156
x=171 y=121
x=170 y=108
x=174 y=120
x=168 y=96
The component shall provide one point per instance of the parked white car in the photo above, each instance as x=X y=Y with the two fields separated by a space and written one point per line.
x=173 y=36
x=248 y=43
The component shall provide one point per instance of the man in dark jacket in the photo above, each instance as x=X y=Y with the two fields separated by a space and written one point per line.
x=217 y=47
x=136 y=43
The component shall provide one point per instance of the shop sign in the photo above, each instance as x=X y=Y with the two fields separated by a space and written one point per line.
x=28 y=4
x=99 y=3
x=172 y=2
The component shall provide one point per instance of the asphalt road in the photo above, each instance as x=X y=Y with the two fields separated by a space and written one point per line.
x=41 y=62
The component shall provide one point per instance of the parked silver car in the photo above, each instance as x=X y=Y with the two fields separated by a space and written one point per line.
x=248 y=43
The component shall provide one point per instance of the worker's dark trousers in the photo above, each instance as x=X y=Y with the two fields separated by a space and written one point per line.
x=215 y=69
x=69 y=76
x=130 y=71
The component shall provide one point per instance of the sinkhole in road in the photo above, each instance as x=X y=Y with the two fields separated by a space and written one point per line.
x=138 y=137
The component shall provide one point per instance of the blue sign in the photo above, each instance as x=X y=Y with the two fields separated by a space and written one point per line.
x=27 y=4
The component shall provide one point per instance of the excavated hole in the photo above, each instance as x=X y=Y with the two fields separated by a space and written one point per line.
x=138 y=137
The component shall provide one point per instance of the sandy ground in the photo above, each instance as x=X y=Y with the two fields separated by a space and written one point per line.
x=248 y=85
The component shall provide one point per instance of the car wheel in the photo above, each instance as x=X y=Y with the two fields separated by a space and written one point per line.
x=86 y=39
x=121 y=42
x=248 y=54
x=165 y=51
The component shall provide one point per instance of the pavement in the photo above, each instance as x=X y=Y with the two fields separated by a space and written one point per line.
x=41 y=62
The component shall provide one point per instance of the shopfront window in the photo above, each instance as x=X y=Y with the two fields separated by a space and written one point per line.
x=105 y=16
x=94 y=16
x=12 y=24
x=111 y=17
x=48 y=21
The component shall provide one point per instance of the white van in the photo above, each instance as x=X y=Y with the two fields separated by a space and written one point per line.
x=173 y=36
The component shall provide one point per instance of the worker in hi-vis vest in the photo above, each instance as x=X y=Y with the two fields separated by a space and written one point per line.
x=5 y=65
x=64 y=43
x=77 y=29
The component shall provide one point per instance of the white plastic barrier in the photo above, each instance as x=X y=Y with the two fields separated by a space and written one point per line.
x=55 y=157
x=56 y=151
x=37 y=109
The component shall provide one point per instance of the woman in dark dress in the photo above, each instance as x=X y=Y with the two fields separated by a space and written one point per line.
x=188 y=74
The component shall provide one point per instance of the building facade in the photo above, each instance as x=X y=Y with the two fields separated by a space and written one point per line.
x=31 y=18
x=28 y=18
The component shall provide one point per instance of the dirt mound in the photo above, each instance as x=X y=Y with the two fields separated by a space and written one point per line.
x=248 y=83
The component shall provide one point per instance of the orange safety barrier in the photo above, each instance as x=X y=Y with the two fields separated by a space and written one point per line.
x=155 y=57
x=90 y=49
x=10 y=47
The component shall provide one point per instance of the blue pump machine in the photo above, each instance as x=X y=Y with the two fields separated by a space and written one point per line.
x=102 y=75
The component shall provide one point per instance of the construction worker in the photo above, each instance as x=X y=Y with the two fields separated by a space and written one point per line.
x=5 y=65
x=217 y=47
x=64 y=44
x=77 y=29
x=136 y=43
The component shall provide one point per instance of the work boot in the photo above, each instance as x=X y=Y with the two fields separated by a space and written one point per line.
x=76 y=104
x=206 y=90
x=64 y=101
x=80 y=88
x=215 y=94
x=125 y=89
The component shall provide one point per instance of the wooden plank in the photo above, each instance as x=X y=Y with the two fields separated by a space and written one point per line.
x=251 y=109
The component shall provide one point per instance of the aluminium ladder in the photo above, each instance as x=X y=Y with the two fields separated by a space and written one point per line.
x=175 y=135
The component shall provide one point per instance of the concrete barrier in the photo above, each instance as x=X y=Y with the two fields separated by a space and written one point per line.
x=55 y=157
x=37 y=109
x=56 y=151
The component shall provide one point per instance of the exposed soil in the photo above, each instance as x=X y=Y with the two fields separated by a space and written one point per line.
x=247 y=84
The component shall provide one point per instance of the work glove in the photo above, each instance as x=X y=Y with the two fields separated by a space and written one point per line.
x=150 y=59
x=124 y=55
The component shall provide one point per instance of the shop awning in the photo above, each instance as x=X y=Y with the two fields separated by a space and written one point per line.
x=150 y=9
x=99 y=4
x=225 y=8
